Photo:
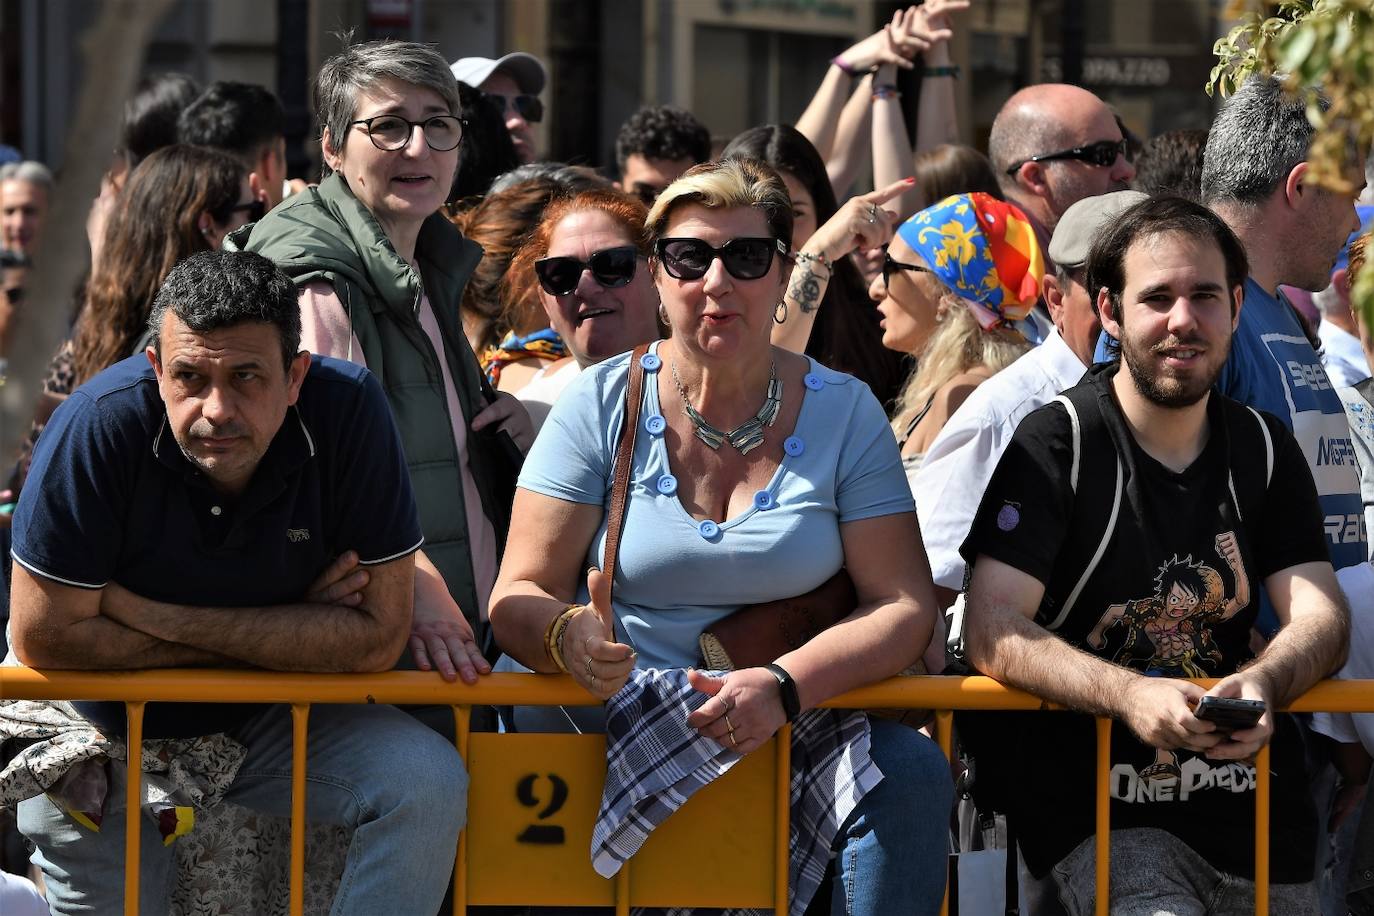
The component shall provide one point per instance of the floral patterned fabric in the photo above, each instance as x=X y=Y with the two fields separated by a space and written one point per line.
x=234 y=860
x=984 y=250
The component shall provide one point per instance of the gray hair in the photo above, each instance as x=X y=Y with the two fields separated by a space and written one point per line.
x=1256 y=140
x=29 y=172
x=361 y=67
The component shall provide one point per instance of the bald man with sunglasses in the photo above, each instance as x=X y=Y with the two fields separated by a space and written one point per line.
x=1053 y=145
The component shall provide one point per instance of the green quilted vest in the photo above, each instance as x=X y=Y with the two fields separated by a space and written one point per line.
x=326 y=234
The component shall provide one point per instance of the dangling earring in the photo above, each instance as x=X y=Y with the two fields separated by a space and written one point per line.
x=780 y=312
x=662 y=315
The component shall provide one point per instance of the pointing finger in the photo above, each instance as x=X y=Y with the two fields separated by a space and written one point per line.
x=883 y=195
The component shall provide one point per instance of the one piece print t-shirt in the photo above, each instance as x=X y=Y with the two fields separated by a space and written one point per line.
x=1174 y=595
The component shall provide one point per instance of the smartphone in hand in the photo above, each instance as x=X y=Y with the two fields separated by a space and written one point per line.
x=1229 y=714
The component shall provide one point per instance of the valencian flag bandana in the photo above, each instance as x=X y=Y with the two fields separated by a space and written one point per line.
x=984 y=250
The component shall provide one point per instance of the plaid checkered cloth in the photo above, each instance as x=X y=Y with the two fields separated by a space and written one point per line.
x=655 y=761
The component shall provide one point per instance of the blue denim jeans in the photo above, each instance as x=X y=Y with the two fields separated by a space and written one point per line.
x=398 y=785
x=892 y=854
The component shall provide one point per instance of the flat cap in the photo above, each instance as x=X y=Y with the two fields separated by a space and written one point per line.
x=1084 y=222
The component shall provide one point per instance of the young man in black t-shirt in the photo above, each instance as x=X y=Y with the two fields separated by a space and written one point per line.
x=1120 y=548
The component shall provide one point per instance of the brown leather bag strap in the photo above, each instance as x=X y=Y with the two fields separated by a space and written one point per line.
x=624 y=455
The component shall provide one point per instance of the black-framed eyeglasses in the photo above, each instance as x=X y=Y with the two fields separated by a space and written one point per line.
x=744 y=258
x=611 y=267
x=889 y=265
x=392 y=132
x=1102 y=153
x=529 y=107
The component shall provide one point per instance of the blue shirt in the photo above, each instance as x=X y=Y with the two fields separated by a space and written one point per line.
x=111 y=498
x=1273 y=367
x=677 y=575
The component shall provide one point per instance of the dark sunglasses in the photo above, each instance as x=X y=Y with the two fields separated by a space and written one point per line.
x=15 y=295
x=1102 y=153
x=611 y=267
x=745 y=259
x=528 y=107
x=889 y=265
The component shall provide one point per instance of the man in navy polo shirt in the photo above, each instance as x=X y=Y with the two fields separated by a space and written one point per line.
x=191 y=509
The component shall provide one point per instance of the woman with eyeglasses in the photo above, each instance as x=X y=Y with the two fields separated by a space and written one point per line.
x=590 y=261
x=955 y=278
x=757 y=474
x=381 y=273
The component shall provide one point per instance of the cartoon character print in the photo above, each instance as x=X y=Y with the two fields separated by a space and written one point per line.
x=1169 y=634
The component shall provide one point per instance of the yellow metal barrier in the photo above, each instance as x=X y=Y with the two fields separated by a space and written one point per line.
x=491 y=868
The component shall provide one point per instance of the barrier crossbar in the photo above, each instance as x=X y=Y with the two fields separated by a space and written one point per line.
x=299 y=691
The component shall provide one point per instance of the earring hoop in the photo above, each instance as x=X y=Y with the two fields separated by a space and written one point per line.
x=781 y=307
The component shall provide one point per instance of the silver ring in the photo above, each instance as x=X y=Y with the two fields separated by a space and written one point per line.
x=730 y=727
x=590 y=673
x=872 y=213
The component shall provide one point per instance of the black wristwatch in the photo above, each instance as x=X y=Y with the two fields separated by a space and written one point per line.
x=787 y=691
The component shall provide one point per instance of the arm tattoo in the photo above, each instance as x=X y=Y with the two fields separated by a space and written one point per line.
x=807 y=287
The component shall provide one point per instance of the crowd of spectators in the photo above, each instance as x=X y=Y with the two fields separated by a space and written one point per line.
x=1048 y=413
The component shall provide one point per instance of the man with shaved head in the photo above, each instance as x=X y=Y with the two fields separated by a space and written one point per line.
x=1052 y=145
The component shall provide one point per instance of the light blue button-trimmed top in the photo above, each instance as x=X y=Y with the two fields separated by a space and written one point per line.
x=673 y=582
x=655 y=424
x=708 y=529
x=667 y=485
x=813 y=381
x=651 y=362
x=763 y=500
x=793 y=445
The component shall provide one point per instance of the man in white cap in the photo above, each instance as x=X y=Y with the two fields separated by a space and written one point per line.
x=515 y=82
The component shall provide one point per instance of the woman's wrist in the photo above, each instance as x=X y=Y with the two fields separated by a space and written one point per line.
x=842 y=64
x=553 y=636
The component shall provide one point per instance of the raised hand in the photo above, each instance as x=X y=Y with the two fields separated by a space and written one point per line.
x=861 y=223
x=937 y=24
x=897 y=42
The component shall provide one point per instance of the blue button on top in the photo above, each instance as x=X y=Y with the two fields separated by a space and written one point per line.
x=655 y=425
x=763 y=499
x=793 y=446
x=813 y=381
x=667 y=485
x=650 y=362
x=708 y=529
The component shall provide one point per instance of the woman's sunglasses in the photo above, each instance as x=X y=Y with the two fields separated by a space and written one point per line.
x=611 y=267
x=889 y=265
x=744 y=259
